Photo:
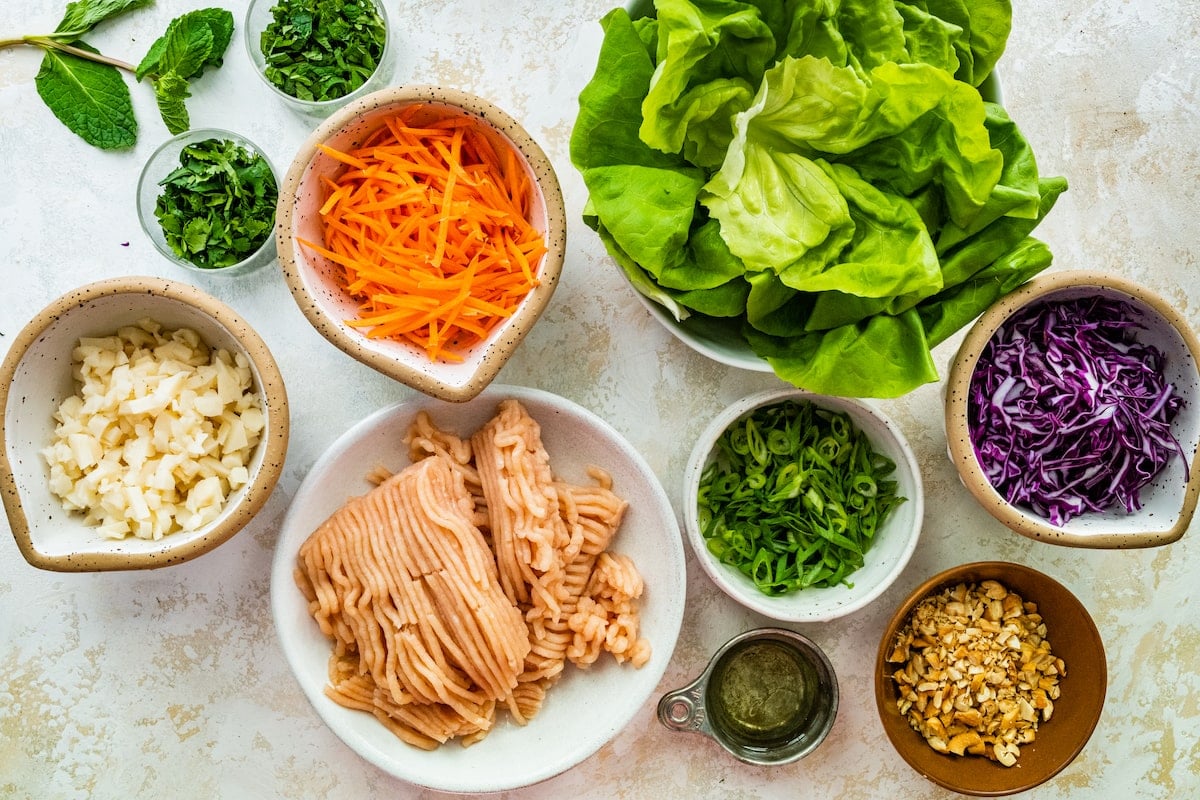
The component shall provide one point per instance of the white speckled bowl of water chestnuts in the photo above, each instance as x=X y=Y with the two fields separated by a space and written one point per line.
x=145 y=423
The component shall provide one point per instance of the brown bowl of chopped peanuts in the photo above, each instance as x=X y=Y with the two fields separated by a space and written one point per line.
x=990 y=678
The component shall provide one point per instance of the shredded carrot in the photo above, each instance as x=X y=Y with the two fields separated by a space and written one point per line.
x=429 y=226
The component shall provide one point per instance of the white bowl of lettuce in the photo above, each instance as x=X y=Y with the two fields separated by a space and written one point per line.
x=829 y=204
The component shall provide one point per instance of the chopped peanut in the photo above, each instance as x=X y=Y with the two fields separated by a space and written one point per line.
x=977 y=674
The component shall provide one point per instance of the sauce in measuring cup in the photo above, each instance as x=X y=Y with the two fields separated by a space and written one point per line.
x=768 y=696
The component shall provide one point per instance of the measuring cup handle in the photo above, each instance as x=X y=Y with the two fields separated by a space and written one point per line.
x=682 y=710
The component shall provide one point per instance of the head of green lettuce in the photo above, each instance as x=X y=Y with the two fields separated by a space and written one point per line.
x=823 y=177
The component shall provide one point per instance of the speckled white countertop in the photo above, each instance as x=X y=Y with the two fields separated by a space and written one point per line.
x=171 y=683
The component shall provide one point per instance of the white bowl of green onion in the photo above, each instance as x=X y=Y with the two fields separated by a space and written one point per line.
x=802 y=507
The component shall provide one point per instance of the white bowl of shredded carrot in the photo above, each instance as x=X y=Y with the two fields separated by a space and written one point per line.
x=422 y=231
x=416 y=622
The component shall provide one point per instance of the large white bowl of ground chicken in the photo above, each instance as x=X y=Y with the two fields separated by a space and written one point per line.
x=445 y=582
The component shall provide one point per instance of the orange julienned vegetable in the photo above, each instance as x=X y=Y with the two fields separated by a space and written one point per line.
x=430 y=227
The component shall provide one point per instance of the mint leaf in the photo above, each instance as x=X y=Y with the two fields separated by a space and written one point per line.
x=188 y=46
x=176 y=48
x=170 y=90
x=84 y=89
x=192 y=42
x=220 y=24
x=82 y=16
x=89 y=98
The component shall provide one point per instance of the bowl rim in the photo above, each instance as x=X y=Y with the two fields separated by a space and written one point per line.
x=962 y=451
x=275 y=440
x=883 y=675
x=706 y=345
x=496 y=351
x=721 y=576
x=265 y=251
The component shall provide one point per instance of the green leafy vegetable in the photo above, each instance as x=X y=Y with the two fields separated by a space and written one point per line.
x=192 y=43
x=170 y=90
x=218 y=207
x=80 y=17
x=795 y=497
x=321 y=50
x=824 y=182
x=89 y=98
x=84 y=88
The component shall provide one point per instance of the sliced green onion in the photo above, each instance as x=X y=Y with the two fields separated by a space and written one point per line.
x=794 y=497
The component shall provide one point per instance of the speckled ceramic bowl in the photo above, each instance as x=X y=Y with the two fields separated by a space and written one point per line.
x=894 y=541
x=1169 y=501
x=36 y=377
x=314 y=281
x=1073 y=637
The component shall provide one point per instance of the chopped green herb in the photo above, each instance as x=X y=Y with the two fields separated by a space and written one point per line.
x=218 y=206
x=794 y=497
x=321 y=50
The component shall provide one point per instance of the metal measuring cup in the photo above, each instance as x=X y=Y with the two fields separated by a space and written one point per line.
x=700 y=707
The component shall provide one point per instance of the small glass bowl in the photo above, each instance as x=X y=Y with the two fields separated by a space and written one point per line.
x=161 y=163
x=259 y=15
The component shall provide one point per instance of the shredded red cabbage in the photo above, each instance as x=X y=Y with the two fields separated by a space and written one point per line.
x=1068 y=412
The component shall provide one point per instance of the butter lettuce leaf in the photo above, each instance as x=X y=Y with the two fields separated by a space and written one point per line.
x=985 y=26
x=886 y=356
x=710 y=55
x=821 y=180
x=647 y=210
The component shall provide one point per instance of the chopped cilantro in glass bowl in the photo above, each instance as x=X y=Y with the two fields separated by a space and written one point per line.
x=206 y=199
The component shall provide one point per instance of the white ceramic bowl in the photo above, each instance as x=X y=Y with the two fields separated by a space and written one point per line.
x=585 y=709
x=36 y=377
x=259 y=15
x=165 y=160
x=1169 y=501
x=894 y=541
x=718 y=339
x=313 y=279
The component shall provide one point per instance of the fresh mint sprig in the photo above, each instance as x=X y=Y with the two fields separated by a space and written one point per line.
x=84 y=88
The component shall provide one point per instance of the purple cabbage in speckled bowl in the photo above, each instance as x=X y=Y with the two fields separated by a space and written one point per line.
x=1068 y=412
